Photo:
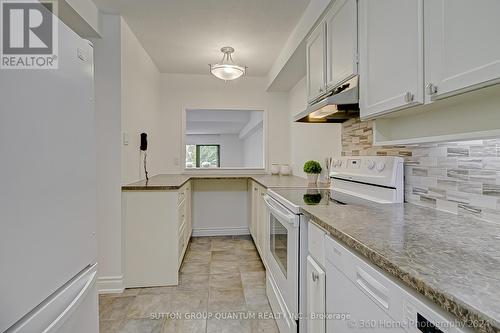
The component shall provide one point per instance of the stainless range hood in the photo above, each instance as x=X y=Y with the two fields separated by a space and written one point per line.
x=340 y=105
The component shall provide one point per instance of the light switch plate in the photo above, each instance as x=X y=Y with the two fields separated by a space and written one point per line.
x=80 y=54
x=125 y=139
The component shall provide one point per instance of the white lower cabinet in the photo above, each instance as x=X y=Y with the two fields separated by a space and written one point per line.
x=362 y=298
x=156 y=228
x=262 y=224
x=254 y=208
x=316 y=293
x=315 y=280
x=258 y=223
x=346 y=298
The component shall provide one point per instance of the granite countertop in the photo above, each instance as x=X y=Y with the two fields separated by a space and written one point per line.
x=454 y=261
x=166 y=182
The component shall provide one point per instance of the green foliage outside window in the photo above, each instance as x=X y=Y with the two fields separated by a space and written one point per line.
x=202 y=156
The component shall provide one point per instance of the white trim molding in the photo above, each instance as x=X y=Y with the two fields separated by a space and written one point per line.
x=221 y=232
x=110 y=284
x=265 y=141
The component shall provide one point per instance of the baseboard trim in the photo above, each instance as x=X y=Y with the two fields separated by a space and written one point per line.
x=110 y=284
x=220 y=232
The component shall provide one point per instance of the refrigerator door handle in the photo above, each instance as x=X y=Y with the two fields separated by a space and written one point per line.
x=73 y=305
x=41 y=319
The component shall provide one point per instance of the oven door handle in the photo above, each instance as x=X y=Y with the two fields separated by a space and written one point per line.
x=281 y=212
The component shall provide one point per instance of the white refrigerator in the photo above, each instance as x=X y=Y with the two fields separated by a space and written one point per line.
x=47 y=195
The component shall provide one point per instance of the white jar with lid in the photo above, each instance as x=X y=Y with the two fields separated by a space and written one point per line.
x=285 y=170
x=275 y=169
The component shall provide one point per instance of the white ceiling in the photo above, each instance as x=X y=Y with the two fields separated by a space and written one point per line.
x=217 y=121
x=184 y=36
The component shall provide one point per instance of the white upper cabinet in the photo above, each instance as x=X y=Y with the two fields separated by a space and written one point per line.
x=316 y=54
x=341 y=42
x=390 y=55
x=462 y=48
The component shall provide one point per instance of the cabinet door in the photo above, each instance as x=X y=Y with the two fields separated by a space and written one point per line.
x=462 y=50
x=262 y=229
x=316 y=294
x=316 y=55
x=390 y=55
x=189 y=221
x=341 y=42
x=255 y=212
x=249 y=205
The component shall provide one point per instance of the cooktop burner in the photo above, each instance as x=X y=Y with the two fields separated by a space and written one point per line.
x=293 y=198
x=310 y=196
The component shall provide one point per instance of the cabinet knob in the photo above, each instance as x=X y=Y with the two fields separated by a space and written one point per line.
x=409 y=97
x=431 y=89
x=315 y=276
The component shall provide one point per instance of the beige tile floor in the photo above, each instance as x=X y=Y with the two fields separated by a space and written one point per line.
x=221 y=289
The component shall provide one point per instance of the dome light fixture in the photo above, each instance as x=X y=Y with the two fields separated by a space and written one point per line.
x=227 y=70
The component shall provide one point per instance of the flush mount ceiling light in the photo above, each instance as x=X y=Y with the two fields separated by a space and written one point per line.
x=227 y=70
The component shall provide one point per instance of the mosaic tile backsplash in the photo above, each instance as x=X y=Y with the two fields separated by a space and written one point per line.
x=458 y=177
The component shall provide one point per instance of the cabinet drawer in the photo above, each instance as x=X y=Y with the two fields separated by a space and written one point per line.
x=181 y=215
x=180 y=198
x=187 y=233
x=316 y=243
x=374 y=284
x=184 y=193
x=182 y=243
x=358 y=287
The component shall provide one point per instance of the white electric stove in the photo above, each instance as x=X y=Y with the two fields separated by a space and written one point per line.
x=354 y=180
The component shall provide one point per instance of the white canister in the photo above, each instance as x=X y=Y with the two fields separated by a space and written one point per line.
x=275 y=169
x=285 y=170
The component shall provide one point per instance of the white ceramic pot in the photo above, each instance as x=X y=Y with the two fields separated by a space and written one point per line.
x=285 y=170
x=275 y=169
x=312 y=178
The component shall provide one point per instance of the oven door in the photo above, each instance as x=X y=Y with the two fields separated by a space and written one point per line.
x=282 y=249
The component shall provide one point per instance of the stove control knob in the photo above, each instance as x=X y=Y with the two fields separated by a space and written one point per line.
x=380 y=166
x=370 y=164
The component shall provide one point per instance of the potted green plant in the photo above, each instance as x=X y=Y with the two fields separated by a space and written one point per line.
x=312 y=199
x=312 y=169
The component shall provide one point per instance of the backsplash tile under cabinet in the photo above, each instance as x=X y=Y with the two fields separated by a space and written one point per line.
x=457 y=177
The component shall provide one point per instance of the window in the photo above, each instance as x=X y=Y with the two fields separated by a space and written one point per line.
x=203 y=156
x=236 y=135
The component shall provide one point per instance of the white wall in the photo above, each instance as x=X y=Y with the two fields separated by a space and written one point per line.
x=107 y=62
x=181 y=91
x=231 y=147
x=253 y=145
x=231 y=151
x=140 y=107
x=310 y=141
x=127 y=99
x=220 y=207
